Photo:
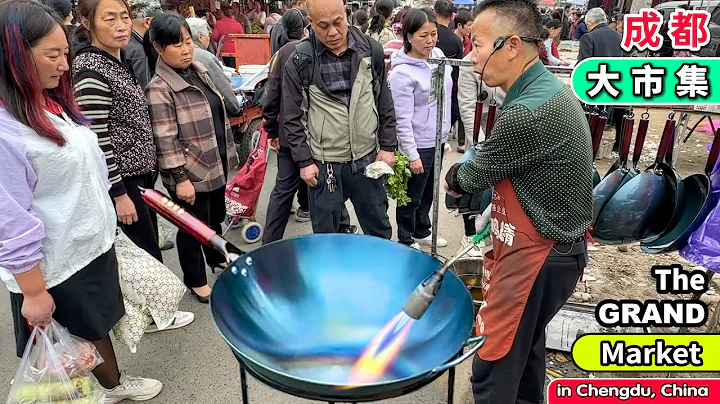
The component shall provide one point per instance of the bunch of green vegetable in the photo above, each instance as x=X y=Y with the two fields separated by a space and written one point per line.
x=397 y=184
x=257 y=29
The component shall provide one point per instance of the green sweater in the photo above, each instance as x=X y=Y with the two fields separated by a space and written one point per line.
x=541 y=141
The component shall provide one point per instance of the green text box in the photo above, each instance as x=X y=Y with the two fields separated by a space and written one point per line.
x=581 y=85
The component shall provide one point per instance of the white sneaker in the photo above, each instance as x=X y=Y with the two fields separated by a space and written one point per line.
x=416 y=246
x=475 y=252
x=441 y=242
x=182 y=318
x=133 y=388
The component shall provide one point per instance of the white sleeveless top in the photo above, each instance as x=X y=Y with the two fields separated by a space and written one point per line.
x=70 y=198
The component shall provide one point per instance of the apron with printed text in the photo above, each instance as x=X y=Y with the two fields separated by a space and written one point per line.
x=510 y=270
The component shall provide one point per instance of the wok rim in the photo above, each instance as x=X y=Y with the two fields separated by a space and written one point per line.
x=653 y=248
x=424 y=375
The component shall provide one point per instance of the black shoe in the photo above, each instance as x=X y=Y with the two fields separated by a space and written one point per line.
x=351 y=229
x=302 y=216
x=168 y=245
x=201 y=299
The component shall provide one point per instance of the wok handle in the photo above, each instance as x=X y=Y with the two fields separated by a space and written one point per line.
x=186 y=221
x=714 y=153
x=665 y=140
x=628 y=125
x=599 y=130
x=592 y=122
x=490 y=119
x=478 y=120
x=478 y=341
x=640 y=140
x=180 y=217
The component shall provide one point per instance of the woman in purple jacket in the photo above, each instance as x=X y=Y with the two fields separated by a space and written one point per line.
x=57 y=225
x=412 y=80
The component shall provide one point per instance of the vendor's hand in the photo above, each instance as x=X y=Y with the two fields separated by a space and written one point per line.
x=274 y=143
x=309 y=174
x=416 y=167
x=564 y=63
x=38 y=309
x=450 y=191
x=386 y=156
x=186 y=191
x=125 y=209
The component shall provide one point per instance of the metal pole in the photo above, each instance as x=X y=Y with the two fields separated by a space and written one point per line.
x=439 y=97
x=466 y=63
x=677 y=140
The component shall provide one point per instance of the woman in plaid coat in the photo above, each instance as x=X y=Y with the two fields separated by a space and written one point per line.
x=194 y=141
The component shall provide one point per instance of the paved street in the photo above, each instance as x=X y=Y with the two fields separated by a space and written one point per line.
x=195 y=364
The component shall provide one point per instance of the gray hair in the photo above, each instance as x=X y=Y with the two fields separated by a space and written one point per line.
x=596 y=16
x=198 y=26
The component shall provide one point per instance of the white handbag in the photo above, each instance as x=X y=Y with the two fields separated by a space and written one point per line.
x=151 y=291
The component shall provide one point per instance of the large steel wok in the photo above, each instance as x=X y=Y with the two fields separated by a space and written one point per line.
x=297 y=313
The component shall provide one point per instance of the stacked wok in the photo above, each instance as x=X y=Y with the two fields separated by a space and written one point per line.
x=656 y=207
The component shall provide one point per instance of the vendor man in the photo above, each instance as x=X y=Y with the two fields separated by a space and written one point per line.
x=538 y=160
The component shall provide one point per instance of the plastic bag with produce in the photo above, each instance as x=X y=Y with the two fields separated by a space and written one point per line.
x=56 y=368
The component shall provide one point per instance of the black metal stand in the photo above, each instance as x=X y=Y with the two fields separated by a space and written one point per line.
x=244 y=385
x=451 y=385
x=246 y=400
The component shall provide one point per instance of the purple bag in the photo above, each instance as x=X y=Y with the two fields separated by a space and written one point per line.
x=703 y=247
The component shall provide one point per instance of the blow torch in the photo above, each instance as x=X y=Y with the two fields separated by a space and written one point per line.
x=424 y=294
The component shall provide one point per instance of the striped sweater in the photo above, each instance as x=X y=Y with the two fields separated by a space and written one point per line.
x=114 y=104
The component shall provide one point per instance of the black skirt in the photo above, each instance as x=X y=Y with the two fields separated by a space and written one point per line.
x=88 y=304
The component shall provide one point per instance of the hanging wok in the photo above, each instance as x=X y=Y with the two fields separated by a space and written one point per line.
x=643 y=206
x=666 y=212
x=298 y=313
x=694 y=208
x=611 y=183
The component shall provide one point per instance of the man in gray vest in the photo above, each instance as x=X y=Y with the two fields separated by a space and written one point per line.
x=338 y=117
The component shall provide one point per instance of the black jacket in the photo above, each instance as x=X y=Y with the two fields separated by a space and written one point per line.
x=293 y=126
x=136 y=57
x=600 y=42
x=273 y=95
x=595 y=4
x=276 y=34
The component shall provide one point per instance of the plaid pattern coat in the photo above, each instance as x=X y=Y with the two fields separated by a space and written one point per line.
x=184 y=131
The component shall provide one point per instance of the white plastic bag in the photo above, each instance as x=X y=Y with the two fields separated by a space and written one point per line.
x=377 y=169
x=150 y=291
x=56 y=368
